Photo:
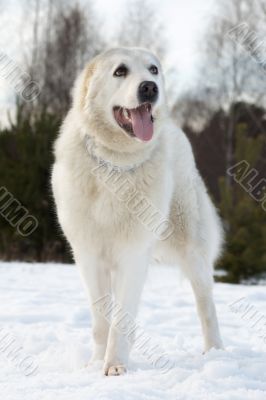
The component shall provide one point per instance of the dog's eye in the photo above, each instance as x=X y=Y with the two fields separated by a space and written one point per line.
x=122 y=70
x=154 y=70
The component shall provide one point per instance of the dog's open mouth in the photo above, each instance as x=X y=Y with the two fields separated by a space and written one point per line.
x=137 y=122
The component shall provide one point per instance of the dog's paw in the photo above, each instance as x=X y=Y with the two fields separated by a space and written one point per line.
x=114 y=370
x=215 y=346
x=94 y=365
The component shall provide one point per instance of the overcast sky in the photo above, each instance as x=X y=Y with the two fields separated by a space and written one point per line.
x=183 y=20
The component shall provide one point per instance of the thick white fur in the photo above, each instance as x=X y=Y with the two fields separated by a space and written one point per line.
x=112 y=249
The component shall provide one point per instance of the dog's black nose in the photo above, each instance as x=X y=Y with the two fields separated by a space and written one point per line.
x=148 y=91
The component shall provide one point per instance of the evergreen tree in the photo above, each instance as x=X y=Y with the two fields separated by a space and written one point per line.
x=243 y=209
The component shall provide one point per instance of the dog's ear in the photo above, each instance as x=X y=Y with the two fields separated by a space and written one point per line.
x=82 y=84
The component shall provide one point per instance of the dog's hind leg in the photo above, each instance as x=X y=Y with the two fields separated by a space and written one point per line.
x=200 y=275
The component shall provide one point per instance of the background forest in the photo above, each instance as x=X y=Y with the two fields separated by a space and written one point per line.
x=222 y=112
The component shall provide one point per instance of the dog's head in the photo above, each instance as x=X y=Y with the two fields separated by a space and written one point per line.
x=121 y=95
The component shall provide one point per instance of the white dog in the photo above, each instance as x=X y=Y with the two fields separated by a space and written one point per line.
x=126 y=188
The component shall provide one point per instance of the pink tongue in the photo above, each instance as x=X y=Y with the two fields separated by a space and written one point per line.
x=142 y=123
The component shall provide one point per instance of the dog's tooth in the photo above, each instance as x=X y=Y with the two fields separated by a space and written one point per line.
x=125 y=113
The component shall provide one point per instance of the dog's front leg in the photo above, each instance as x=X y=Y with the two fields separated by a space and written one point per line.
x=127 y=284
x=96 y=279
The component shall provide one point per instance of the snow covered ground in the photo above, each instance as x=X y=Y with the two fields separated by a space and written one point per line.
x=45 y=312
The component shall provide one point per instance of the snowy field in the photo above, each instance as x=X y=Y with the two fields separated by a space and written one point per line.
x=45 y=312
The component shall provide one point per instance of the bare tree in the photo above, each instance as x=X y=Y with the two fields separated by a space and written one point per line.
x=229 y=63
x=64 y=39
x=141 y=28
x=230 y=71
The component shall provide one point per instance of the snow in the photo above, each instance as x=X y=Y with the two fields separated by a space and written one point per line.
x=45 y=311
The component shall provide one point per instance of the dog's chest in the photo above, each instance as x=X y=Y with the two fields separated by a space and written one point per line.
x=125 y=201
